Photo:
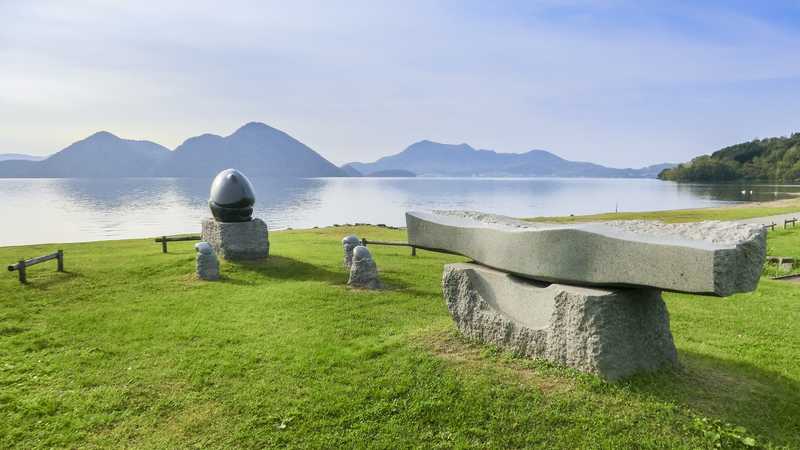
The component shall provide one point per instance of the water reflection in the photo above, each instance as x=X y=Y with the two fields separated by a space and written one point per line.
x=738 y=192
x=68 y=210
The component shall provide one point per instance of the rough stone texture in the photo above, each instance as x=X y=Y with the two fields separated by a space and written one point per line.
x=363 y=271
x=613 y=333
x=237 y=241
x=349 y=243
x=207 y=263
x=720 y=258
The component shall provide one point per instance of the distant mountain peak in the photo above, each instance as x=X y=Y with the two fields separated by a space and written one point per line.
x=430 y=142
x=427 y=157
x=256 y=148
x=102 y=135
x=425 y=145
x=254 y=126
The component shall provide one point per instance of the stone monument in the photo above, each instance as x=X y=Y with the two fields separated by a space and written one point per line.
x=233 y=233
x=348 y=244
x=584 y=295
x=207 y=263
x=363 y=270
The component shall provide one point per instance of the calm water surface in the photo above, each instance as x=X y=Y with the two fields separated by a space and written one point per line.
x=74 y=210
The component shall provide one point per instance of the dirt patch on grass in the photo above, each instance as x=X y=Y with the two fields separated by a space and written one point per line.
x=467 y=355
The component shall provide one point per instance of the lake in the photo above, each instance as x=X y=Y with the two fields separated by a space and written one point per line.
x=76 y=210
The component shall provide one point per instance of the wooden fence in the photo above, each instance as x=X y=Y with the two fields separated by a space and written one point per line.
x=414 y=248
x=365 y=243
x=792 y=221
x=25 y=263
x=164 y=239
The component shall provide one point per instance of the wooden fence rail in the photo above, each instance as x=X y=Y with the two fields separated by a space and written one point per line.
x=25 y=263
x=770 y=226
x=164 y=239
x=789 y=221
x=414 y=248
x=365 y=243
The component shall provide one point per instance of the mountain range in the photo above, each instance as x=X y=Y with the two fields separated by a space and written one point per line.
x=260 y=150
x=255 y=148
x=427 y=158
x=18 y=156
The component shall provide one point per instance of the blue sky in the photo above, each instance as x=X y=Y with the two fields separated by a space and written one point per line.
x=624 y=83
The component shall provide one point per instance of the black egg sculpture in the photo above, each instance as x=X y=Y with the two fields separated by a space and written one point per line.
x=232 y=197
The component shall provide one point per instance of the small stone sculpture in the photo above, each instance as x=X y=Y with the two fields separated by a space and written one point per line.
x=349 y=243
x=207 y=263
x=363 y=271
x=232 y=197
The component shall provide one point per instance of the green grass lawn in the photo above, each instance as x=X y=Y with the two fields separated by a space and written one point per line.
x=737 y=212
x=127 y=349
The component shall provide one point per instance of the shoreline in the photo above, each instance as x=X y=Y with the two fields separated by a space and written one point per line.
x=746 y=212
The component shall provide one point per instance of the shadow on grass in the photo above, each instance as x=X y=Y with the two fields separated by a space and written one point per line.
x=400 y=286
x=765 y=402
x=45 y=280
x=283 y=268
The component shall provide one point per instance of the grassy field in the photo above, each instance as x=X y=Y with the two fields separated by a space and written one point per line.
x=737 y=212
x=127 y=349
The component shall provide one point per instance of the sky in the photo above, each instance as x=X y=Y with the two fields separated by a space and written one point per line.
x=621 y=83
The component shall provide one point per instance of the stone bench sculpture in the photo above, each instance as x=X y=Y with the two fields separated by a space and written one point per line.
x=719 y=258
x=603 y=313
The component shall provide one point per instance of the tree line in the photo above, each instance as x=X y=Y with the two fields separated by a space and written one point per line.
x=773 y=159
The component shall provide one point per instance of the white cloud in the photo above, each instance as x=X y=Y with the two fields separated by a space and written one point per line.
x=357 y=80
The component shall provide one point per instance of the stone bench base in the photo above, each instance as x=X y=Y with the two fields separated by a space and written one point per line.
x=613 y=333
x=236 y=241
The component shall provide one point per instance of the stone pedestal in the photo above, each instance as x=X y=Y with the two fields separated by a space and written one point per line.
x=613 y=333
x=236 y=241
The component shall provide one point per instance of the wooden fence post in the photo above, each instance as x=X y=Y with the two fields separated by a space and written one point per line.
x=163 y=244
x=413 y=251
x=23 y=264
x=21 y=269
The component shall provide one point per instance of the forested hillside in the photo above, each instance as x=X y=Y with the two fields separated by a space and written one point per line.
x=772 y=159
